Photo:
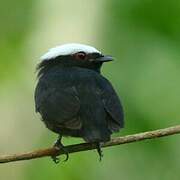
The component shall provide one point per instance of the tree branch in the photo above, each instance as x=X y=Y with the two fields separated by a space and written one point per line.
x=87 y=146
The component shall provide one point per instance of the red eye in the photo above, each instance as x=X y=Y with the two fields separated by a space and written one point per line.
x=80 y=55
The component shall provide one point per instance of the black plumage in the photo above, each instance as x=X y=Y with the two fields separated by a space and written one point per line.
x=74 y=99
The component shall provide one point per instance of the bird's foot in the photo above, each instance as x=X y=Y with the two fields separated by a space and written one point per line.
x=100 y=152
x=55 y=159
x=59 y=146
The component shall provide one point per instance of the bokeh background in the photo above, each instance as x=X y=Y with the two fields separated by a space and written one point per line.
x=144 y=38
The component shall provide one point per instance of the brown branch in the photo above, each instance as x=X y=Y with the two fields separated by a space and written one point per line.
x=86 y=146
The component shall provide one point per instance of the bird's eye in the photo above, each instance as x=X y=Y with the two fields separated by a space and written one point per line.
x=80 y=55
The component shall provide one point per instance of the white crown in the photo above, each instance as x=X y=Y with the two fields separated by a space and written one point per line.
x=68 y=49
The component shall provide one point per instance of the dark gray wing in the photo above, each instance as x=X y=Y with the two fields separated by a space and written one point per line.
x=60 y=105
x=112 y=105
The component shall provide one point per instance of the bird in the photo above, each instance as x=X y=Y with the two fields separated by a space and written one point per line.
x=74 y=99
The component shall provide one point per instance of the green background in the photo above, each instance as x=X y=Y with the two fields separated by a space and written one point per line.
x=144 y=38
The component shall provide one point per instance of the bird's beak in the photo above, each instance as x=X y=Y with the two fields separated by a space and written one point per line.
x=104 y=59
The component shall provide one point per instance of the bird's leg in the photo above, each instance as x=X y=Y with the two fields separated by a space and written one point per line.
x=60 y=147
x=99 y=151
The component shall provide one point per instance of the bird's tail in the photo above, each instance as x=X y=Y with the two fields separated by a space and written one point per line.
x=96 y=135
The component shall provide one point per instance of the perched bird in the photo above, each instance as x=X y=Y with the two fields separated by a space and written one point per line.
x=73 y=97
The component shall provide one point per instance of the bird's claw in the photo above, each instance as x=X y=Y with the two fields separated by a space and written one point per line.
x=67 y=155
x=59 y=146
x=100 y=152
x=55 y=159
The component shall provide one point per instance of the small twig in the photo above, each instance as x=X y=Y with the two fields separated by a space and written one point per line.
x=86 y=146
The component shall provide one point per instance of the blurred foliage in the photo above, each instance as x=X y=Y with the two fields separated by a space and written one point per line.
x=15 y=18
x=143 y=36
x=147 y=68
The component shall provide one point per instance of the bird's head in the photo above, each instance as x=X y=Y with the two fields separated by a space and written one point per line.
x=74 y=55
